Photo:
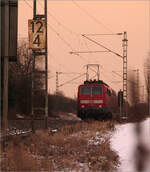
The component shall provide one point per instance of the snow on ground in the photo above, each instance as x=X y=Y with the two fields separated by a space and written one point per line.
x=124 y=142
x=97 y=140
x=69 y=116
x=19 y=116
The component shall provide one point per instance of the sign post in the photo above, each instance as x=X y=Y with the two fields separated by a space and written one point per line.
x=37 y=31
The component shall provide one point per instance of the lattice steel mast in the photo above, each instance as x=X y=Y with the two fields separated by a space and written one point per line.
x=125 y=94
x=41 y=109
x=124 y=57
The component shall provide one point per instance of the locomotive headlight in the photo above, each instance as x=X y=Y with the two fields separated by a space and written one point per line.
x=97 y=101
x=84 y=101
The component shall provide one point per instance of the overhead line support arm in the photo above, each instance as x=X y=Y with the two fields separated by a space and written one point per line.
x=102 y=46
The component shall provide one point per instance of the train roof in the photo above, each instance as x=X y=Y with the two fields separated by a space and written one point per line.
x=95 y=82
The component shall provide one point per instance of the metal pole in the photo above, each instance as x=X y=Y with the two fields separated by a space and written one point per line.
x=56 y=91
x=149 y=93
x=138 y=95
x=87 y=75
x=5 y=79
x=98 y=73
x=143 y=95
x=56 y=83
x=124 y=44
x=46 y=66
x=33 y=67
x=34 y=10
x=44 y=53
x=120 y=104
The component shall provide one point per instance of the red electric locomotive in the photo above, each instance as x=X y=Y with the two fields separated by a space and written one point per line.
x=96 y=99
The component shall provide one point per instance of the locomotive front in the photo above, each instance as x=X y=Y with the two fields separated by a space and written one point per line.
x=93 y=100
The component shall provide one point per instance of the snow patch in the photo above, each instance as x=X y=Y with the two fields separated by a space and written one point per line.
x=69 y=116
x=124 y=142
x=96 y=140
x=19 y=116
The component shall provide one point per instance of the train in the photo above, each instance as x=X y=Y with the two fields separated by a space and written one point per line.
x=96 y=99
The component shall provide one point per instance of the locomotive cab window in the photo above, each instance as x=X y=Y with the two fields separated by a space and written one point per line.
x=85 y=90
x=96 y=90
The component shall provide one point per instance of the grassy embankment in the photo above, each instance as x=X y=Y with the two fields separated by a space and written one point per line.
x=84 y=146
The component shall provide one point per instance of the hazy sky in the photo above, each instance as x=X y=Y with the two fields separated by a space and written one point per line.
x=67 y=20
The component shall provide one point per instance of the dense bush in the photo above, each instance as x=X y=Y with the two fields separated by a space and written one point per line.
x=61 y=103
x=137 y=111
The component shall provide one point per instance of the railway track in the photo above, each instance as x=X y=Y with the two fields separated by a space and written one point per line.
x=23 y=127
x=12 y=136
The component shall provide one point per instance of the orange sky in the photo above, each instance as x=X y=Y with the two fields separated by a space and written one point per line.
x=67 y=20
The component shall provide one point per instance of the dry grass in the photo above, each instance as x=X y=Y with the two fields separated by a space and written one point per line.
x=72 y=148
x=18 y=159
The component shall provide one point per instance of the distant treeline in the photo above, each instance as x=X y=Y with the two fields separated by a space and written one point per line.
x=20 y=87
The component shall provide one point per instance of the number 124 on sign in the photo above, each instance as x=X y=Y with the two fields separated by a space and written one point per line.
x=37 y=34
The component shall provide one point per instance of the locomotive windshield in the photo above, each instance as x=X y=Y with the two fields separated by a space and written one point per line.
x=94 y=90
x=85 y=90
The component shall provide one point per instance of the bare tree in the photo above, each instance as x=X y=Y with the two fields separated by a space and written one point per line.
x=20 y=80
x=147 y=78
x=147 y=72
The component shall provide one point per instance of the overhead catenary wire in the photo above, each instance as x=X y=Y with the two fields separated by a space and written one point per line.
x=28 y=4
x=67 y=30
x=61 y=24
x=59 y=35
x=61 y=38
x=54 y=59
x=67 y=82
x=54 y=32
x=122 y=77
x=68 y=44
x=64 y=42
x=109 y=50
x=109 y=79
x=91 y=16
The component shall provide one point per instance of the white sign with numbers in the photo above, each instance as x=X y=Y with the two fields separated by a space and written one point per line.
x=37 y=34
